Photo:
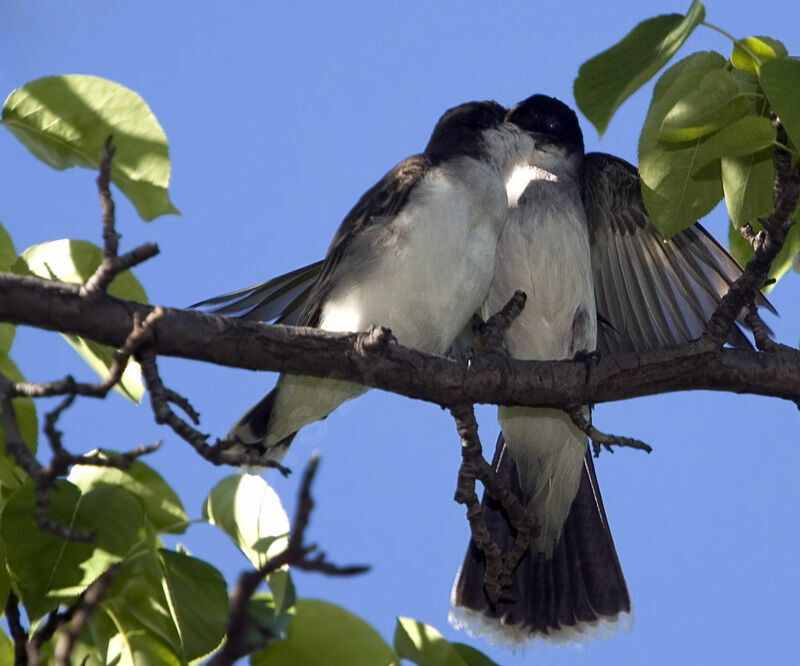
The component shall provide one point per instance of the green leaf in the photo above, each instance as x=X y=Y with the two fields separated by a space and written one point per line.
x=780 y=80
x=747 y=182
x=75 y=261
x=172 y=598
x=126 y=646
x=322 y=634
x=137 y=601
x=7 y=333
x=159 y=502
x=675 y=195
x=5 y=583
x=7 y=252
x=100 y=358
x=423 y=645
x=198 y=601
x=764 y=48
x=716 y=102
x=6 y=647
x=262 y=608
x=248 y=510
x=282 y=653
x=11 y=475
x=742 y=251
x=608 y=79
x=283 y=593
x=746 y=136
x=46 y=570
x=472 y=656
x=65 y=120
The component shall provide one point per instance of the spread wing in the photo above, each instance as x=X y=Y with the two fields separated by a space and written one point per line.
x=652 y=293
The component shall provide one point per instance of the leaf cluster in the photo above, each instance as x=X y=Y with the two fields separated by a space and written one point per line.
x=710 y=131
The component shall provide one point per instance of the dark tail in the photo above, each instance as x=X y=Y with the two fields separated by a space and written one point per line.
x=579 y=593
x=250 y=431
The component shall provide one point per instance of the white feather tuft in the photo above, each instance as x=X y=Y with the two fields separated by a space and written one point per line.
x=497 y=632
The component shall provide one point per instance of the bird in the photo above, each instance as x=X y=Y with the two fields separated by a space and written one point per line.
x=415 y=254
x=600 y=278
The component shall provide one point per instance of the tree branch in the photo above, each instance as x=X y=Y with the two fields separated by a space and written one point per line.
x=80 y=613
x=112 y=264
x=766 y=246
x=499 y=566
x=481 y=379
x=18 y=634
x=295 y=555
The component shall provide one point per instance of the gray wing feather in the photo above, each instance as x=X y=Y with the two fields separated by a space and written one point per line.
x=653 y=293
x=297 y=297
x=280 y=299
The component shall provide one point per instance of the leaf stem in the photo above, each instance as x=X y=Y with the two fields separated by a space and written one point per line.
x=738 y=42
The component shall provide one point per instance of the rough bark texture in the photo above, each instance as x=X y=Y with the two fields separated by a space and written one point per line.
x=483 y=379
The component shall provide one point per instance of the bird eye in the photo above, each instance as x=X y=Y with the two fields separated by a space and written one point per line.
x=553 y=125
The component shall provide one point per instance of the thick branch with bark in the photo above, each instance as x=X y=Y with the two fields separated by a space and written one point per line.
x=482 y=379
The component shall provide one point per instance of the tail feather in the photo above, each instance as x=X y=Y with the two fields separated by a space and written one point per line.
x=250 y=431
x=576 y=594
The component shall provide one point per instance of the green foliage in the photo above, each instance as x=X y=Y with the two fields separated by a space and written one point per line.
x=676 y=196
x=8 y=255
x=707 y=133
x=249 y=511
x=46 y=571
x=742 y=251
x=321 y=634
x=607 y=80
x=11 y=475
x=65 y=120
x=717 y=102
x=75 y=261
x=157 y=500
x=164 y=606
x=780 y=79
x=425 y=646
x=750 y=52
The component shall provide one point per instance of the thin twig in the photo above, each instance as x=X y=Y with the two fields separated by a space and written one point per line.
x=294 y=555
x=755 y=239
x=160 y=400
x=499 y=566
x=112 y=264
x=761 y=332
x=44 y=476
x=745 y=288
x=110 y=235
x=18 y=634
x=140 y=333
x=83 y=610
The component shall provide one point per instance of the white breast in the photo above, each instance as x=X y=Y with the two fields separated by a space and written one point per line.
x=544 y=251
x=426 y=272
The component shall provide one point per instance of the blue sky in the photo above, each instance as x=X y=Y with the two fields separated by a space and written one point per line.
x=279 y=116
